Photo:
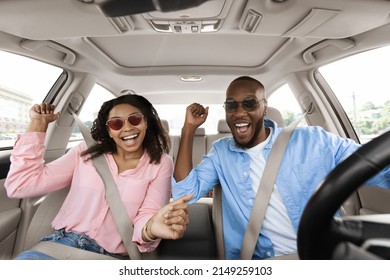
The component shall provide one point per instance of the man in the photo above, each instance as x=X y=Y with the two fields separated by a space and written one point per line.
x=237 y=163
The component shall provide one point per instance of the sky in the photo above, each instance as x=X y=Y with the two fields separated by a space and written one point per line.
x=366 y=77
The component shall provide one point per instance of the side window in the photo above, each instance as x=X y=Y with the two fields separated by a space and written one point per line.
x=23 y=82
x=360 y=83
x=284 y=100
x=90 y=110
x=175 y=115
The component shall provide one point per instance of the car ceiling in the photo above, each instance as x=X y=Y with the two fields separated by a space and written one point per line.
x=126 y=52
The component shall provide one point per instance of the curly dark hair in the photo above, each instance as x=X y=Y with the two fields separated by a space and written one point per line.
x=156 y=140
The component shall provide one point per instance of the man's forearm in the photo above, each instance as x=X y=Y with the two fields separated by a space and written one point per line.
x=183 y=164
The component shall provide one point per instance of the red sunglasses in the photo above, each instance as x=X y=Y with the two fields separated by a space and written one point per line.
x=117 y=123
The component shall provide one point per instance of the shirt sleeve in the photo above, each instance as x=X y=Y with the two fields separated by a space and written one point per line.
x=342 y=148
x=30 y=176
x=201 y=179
x=381 y=180
x=157 y=196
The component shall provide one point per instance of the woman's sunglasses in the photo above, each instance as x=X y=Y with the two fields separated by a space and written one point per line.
x=248 y=104
x=117 y=123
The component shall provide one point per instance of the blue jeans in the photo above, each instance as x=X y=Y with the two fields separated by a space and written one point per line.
x=70 y=239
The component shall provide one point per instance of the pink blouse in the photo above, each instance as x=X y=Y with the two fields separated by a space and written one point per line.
x=144 y=190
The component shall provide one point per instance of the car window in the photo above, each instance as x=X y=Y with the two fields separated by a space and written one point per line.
x=23 y=82
x=284 y=100
x=360 y=82
x=88 y=113
x=175 y=114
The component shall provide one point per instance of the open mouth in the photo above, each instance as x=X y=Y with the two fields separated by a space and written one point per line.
x=242 y=128
x=130 y=137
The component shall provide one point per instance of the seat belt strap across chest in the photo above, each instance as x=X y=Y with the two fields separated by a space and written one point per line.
x=264 y=192
x=117 y=208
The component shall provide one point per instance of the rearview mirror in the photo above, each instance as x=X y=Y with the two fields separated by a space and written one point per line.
x=116 y=8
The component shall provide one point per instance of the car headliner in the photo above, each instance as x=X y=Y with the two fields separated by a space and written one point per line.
x=126 y=53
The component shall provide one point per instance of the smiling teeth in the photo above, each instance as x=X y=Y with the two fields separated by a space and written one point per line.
x=241 y=124
x=130 y=137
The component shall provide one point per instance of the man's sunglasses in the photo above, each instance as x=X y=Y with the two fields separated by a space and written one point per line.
x=117 y=123
x=248 y=104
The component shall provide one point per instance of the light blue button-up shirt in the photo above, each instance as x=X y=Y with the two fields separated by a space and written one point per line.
x=310 y=155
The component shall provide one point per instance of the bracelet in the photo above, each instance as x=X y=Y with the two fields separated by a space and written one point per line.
x=146 y=235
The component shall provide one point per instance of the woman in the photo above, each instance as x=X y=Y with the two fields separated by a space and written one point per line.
x=129 y=134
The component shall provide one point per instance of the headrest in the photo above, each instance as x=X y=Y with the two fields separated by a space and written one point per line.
x=200 y=131
x=223 y=126
x=275 y=115
x=165 y=124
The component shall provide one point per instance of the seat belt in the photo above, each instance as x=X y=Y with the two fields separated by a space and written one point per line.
x=217 y=221
x=63 y=252
x=117 y=208
x=261 y=201
x=264 y=192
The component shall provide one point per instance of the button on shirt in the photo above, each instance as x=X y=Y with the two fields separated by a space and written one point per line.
x=144 y=190
x=310 y=155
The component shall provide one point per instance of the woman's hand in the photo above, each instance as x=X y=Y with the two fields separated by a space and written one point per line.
x=170 y=222
x=40 y=117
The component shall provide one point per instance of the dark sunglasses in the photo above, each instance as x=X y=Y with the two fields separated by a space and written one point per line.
x=248 y=104
x=117 y=123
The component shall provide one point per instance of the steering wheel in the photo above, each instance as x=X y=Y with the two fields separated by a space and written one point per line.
x=315 y=239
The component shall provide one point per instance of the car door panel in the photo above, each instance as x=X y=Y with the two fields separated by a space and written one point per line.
x=374 y=200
